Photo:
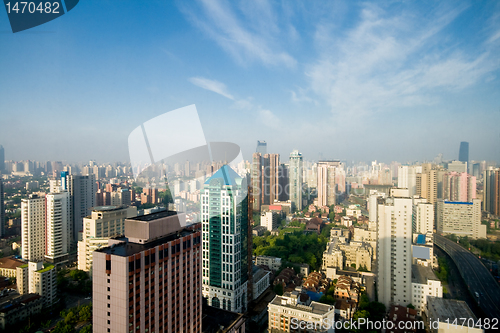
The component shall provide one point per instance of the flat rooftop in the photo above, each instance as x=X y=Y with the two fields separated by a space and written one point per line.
x=154 y=216
x=126 y=248
x=314 y=307
x=448 y=309
x=420 y=274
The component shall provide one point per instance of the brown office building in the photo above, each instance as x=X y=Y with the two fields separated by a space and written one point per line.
x=149 y=280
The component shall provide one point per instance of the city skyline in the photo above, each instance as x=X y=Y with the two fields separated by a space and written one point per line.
x=342 y=81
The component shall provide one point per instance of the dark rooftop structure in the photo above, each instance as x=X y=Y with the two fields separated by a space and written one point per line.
x=146 y=232
x=220 y=321
x=154 y=216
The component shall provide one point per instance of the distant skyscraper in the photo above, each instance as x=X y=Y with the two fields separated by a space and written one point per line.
x=225 y=226
x=295 y=174
x=256 y=181
x=463 y=153
x=57 y=226
x=82 y=190
x=261 y=147
x=270 y=172
x=326 y=188
x=284 y=183
x=491 y=181
x=2 y=211
x=33 y=228
x=2 y=159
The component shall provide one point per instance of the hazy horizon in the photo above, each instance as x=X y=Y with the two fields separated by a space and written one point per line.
x=390 y=81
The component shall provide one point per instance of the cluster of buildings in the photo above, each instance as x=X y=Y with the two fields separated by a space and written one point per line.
x=344 y=251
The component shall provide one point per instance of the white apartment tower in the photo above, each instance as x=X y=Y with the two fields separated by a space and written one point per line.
x=394 y=251
x=57 y=226
x=296 y=179
x=326 y=185
x=423 y=216
x=33 y=228
x=81 y=191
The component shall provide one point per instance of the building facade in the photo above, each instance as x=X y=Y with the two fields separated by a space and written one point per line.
x=225 y=226
x=39 y=278
x=424 y=284
x=149 y=280
x=82 y=190
x=269 y=220
x=296 y=179
x=422 y=217
x=288 y=313
x=33 y=228
x=394 y=255
x=460 y=218
x=103 y=223
x=58 y=227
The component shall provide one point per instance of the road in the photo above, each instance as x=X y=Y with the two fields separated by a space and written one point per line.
x=475 y=274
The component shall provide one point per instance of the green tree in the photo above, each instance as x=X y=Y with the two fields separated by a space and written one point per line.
x=278 y=289
x=85 y=313
x=71 y=318
x=327 y=299
x=86 y=329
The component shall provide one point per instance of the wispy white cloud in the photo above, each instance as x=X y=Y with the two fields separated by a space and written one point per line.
x=268 y=118
x=212 y=85
x=392 y=61
x=252 y=36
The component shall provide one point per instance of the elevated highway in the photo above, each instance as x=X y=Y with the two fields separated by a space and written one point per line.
x=476 y=276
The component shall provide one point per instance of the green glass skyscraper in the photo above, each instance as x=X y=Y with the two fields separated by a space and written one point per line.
x=224 y=216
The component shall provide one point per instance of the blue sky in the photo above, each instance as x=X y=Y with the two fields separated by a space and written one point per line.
x=394 y=80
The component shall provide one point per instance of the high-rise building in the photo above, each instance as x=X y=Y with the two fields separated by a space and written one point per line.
x=427 y=183
x=460 y=218
x=82 y=191
x=407 y=177
x=459 y=187
x=33 y=228
x=265 y=179
x=327 y=187
x=283 y=183
x=422 y=217
x=225 y=229
x=394 y=250
x=256 y=181
x=2 y=159
x=463 y=153
x=491 y=190
x=103 y=223
x=149 y=280
x=261 y=147
x=270 y=181
x=57 y=227
x=295 y=176
x=2 y=211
